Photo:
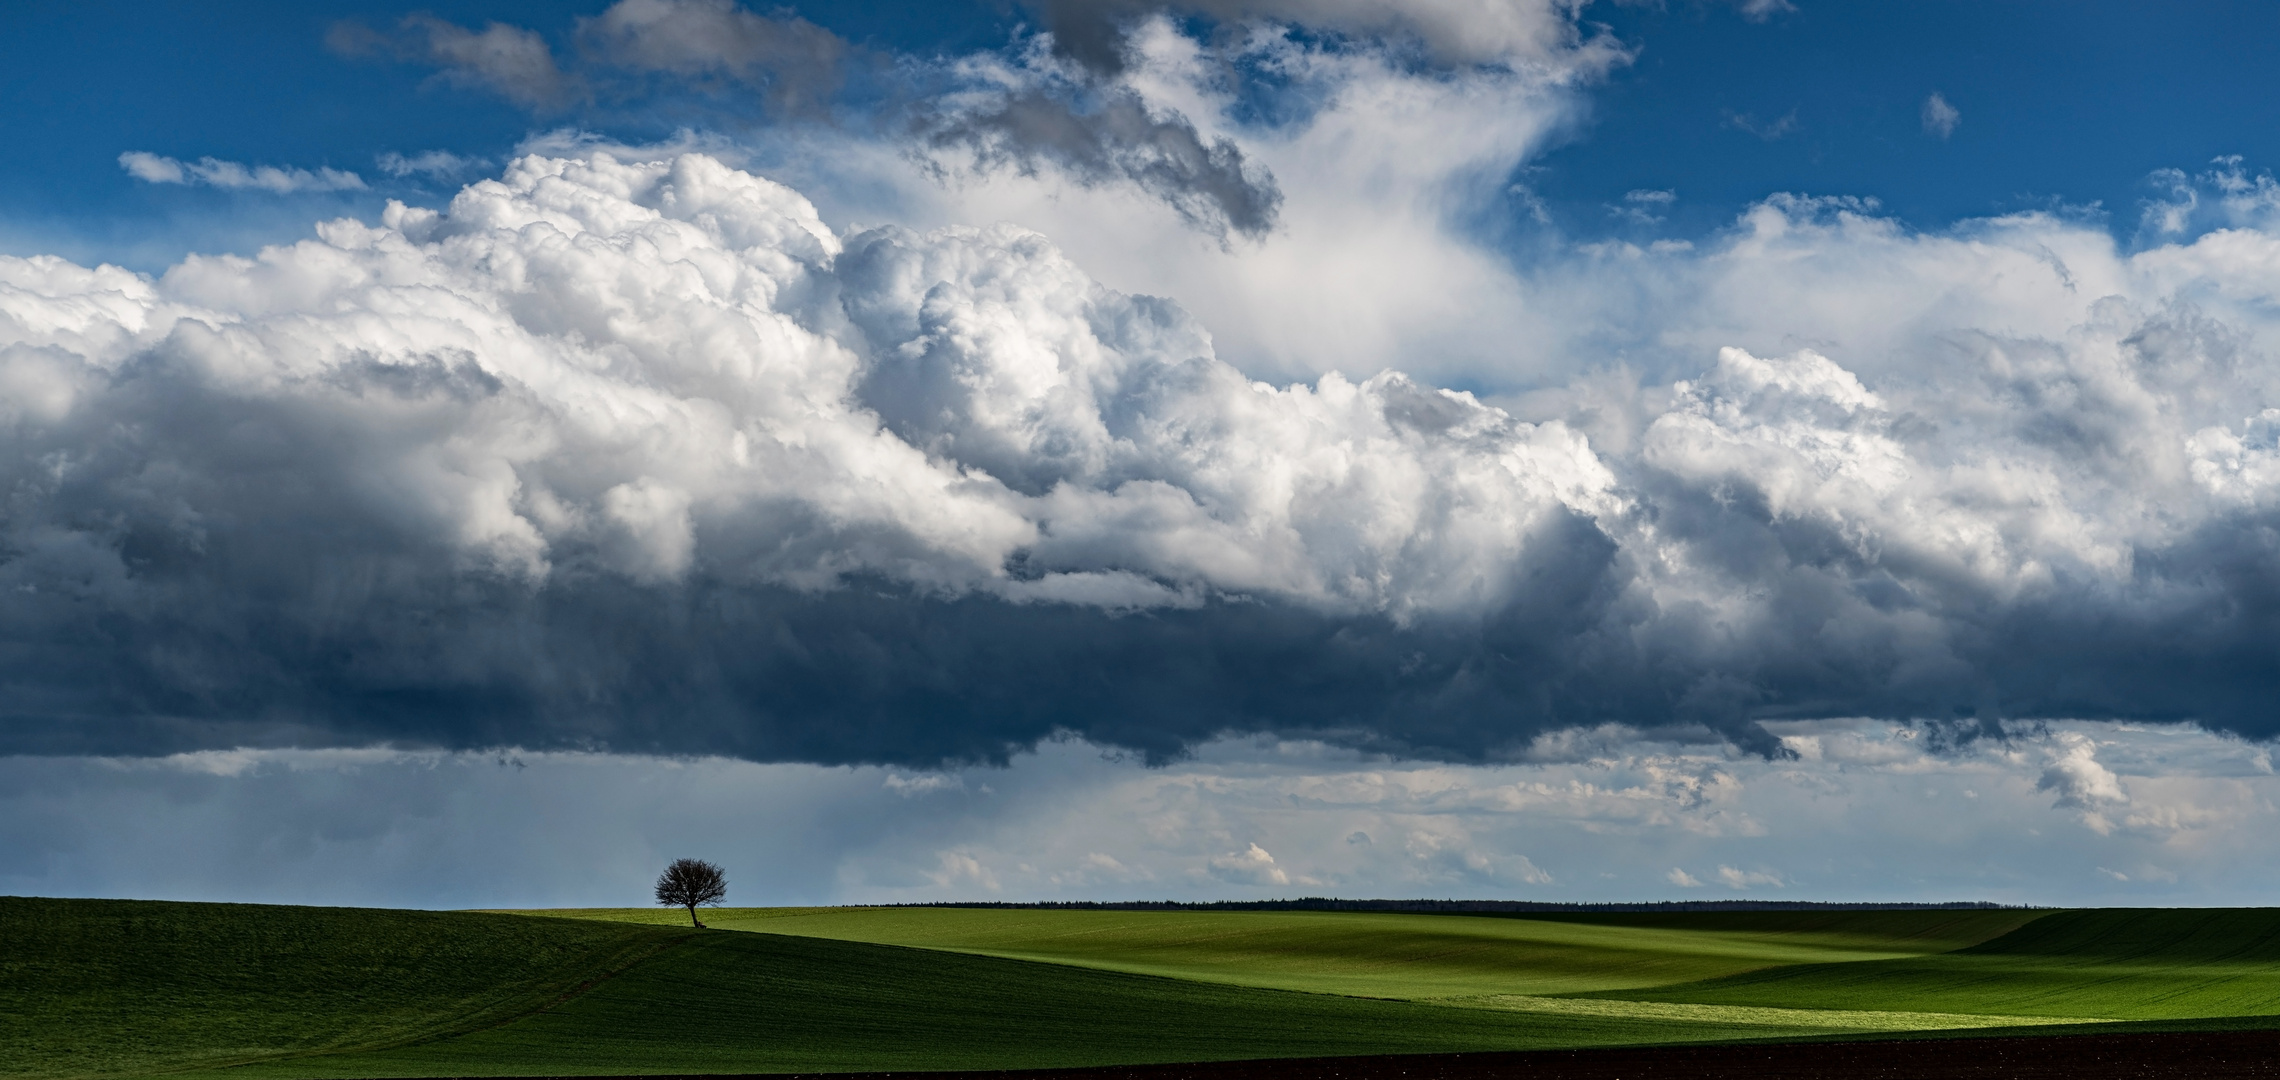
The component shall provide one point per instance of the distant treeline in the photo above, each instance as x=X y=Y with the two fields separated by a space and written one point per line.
x=1451 y=907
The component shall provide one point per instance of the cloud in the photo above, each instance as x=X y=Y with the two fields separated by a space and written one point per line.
x=960 y=870
x=440 y=164
x=1639 y=207
x=397 y=828
x=1940 y=118
x=1747 y=879
x=796 y=61
x=2081 y=783
x=152 y=169
x=1390 y=181
x=923 y=784
x=211 y=172
x=1035 y=115
x=1008 y=445
x=1768 y=130
x=1114 y=136
x=1030 y=115
x=643 y=455
x=1120 y=90
x=509 y=60
x=1452 y=31
x=2225 y=196
x=1251 y=866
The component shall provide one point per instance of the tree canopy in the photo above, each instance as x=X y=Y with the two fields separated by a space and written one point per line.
x=689 y=882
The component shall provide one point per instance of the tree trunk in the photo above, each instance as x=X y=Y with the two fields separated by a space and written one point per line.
x=693 y=917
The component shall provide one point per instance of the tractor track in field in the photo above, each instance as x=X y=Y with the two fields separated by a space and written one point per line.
x=2212 y=1055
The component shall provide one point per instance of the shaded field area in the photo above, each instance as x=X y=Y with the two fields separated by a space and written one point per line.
x=741 y=1002
x=1387 y=955
x=2117 y=963
x=120 y=988
x=123 y=988
x=2243 y=1055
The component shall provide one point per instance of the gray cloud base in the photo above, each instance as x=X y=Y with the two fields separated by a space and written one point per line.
x=643 y=457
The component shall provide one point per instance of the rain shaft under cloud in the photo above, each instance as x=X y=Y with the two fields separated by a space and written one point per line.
x=645 y=457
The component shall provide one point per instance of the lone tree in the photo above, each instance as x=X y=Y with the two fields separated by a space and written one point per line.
x=689 y=882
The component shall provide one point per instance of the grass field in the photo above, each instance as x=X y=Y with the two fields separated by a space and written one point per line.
x=121 y=987
x=1385 y=955
x=729 y=1002
x=117 y=988
x=2127 y=964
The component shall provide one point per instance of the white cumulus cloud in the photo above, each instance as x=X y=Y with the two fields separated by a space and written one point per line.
x=2005 y=461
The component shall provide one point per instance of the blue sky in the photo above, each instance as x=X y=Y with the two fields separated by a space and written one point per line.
x=1212 y=448
x=2061 y=105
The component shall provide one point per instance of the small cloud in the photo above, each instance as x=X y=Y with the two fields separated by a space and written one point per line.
x=957 y=867
x=1769 y=131
x=212 y=172
x=2082 y=783
x=796 y=61
x=1682 y=879
x=1639 y=206
x=151 y=168
x=1761 y=10
x=2172 y=213
x=1096 y=868
x=2235 y=198
x=924 y=784
x=1940 y=118
x=440 y=164
x=1744 y=879
x=1253 y=866
x=1531 y=202
x=1359 y=838
x=512 y=61
x=1107 y=863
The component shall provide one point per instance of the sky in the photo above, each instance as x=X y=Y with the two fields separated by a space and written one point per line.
x=471 y=454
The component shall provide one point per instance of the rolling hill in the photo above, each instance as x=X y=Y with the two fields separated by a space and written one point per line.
x=127 y=988
x=1385 y=955
x=2133 y=964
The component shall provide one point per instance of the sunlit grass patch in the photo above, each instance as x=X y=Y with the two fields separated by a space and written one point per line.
x=2133 y=964
x=1394 y=955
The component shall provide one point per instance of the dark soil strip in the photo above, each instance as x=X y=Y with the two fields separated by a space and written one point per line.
x=2196 y=1055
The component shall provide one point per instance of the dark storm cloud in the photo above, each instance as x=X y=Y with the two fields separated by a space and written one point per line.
x=642 y=457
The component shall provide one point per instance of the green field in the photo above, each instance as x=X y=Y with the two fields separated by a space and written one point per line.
x=2117 y=963
x=1388 y=955
x=121 y=988
x=732 y=1002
